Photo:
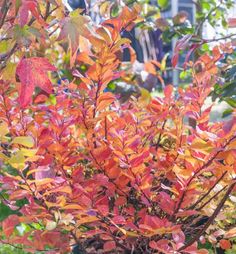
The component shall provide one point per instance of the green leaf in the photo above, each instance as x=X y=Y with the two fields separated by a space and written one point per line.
x=163 y=3
x=205 y=47
x=206 y=6
x=183 y=75
x=3 y=46
x=72 y=27
x=231 y=102
x=21 y=35
x=115 y=10
x=52 y=99
x=227 y=112
x=111 y=86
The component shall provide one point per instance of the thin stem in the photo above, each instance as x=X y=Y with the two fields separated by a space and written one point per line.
x=208 y=201
x=208 y=192
x=210 y=220
x=4 y=11
x=206 y=165
x=206 y=18
x=159 y=138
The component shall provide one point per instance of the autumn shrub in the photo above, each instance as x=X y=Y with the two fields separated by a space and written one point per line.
x=81 y=169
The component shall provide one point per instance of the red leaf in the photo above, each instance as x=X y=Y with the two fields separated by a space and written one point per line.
x=191 y=50
x=232 y=22
x=32 y=72
x=109 y=246
x=103 y=209
x=120 y=201
x=168 y=91
x=26 y=7
x=153 y=245
x=119 y=220
x=9 y=224
x=225 y=244
x=180 y=45
x=161 y=245
x=175 y=59
x=166 y=203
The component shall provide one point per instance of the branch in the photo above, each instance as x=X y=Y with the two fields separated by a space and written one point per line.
x=6 y=56
x=210 y=220
x=4 y=11
x=206 y=165
x=208 y=201
x=47 y=11
x=159 y=138
x=206 y=18
x=207 y=193
x=219 y=39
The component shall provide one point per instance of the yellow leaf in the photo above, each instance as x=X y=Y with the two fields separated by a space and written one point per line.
x=28 y=152
x=87 y=219
x=3 y=157
x=73 y=207
x=3 y=47
x=188 y=157
x=50 y=225
x=8 y=70
x=25 y=141
x=105 y=9
x=64 y=189
x=163 y=62
x=201 y=146
x=43 y=181
x=61 y=200
x=183 y=172
x=3 y=132
x=145 y=97
x=17 y=160
x=131 y=234
x=3 y=129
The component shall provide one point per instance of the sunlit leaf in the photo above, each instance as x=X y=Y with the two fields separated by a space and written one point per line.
x=25 y=141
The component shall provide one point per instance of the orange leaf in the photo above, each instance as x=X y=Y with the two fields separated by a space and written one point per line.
x=73 y=207
x=231 y=233
x=105 y=100
x=225 y=244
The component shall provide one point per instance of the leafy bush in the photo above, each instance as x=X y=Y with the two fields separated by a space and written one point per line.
x=81 y=169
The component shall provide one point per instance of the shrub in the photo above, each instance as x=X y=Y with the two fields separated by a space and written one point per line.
x=80 y=168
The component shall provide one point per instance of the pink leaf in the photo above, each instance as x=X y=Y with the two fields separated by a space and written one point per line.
x=9 y=224
x=109 y=246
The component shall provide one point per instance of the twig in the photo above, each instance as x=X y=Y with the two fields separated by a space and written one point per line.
x=208 y=192
x=208 y=201
x=210 y=220
x=206 y=165
x=219 y=39
x=47 y=11
x=159 y=138
x=206 y=18
x=4 y=11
